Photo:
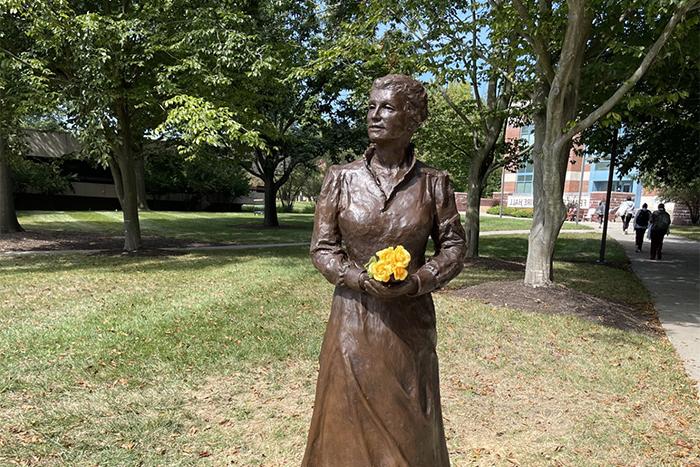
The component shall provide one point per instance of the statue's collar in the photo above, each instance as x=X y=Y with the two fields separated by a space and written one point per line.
x=410 y=153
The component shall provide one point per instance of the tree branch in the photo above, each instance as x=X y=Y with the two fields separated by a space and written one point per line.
x=505 y=73
x=648 y=59
x=544 y=60
x=286 y=174
x=475 y=85
x=452 y=105
x=250 y=170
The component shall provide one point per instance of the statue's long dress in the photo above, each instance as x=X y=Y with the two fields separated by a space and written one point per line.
x=377 y=396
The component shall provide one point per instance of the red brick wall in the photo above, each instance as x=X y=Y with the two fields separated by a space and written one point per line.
x=461 y=201
x=512 y=132
x=571 y=186
x=616 y=198
x=681 y=214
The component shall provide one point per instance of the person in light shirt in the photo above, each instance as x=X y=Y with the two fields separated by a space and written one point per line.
x=626 y=211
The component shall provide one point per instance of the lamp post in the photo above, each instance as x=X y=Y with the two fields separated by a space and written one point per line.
x=500 y=203
x=613 y=156
x=580 y=188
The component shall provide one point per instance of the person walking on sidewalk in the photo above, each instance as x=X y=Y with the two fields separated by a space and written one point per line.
x=600 y=212
x=660 y=223
x=625 y=212
x=641 y=223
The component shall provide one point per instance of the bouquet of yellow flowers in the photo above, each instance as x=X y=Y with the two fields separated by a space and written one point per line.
x=387 y=262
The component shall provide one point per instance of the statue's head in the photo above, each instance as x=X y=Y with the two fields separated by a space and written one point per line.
x=398 y=105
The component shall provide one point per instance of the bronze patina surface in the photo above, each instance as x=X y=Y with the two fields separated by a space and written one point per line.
x=377 y=396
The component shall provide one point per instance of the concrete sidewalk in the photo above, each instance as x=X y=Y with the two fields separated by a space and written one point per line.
x=674 y=283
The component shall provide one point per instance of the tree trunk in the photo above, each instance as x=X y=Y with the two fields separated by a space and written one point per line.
x=8 y=216
x=125 y=181
x=140 y=173
x=132 y=227
x=471 y=221
x=694 y=211
x=549 y=209
x=270 y=202
x=475 y=187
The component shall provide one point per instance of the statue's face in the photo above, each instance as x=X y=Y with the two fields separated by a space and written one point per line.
x=386 y=118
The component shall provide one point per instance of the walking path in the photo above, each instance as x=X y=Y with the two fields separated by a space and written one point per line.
x=674 y=283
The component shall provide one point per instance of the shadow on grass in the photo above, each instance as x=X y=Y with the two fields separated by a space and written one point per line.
x=163 y=261
x=230 y=227
x=569 y=247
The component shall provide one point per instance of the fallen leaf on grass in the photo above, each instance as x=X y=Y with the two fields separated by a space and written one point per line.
x=683 y=444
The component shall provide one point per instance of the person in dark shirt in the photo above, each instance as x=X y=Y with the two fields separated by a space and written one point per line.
x=660 y=223
x=641 y=223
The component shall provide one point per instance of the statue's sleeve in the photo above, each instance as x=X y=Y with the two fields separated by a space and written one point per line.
x=448 y=237
x=326 y=250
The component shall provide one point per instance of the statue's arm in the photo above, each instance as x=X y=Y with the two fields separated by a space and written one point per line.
x=448 y=237
x=326 y=249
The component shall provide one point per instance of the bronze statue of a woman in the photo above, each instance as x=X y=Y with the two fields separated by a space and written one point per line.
x=378 y=396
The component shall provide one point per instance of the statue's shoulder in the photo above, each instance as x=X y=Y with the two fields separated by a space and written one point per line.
x=341 y=169
x=428 y=171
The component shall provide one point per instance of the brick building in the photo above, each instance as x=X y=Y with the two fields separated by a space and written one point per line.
x=591 y=180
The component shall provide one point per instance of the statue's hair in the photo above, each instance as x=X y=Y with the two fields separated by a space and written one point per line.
x=413 y=91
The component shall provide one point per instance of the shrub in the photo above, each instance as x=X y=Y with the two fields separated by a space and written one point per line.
x=43 y=177
x=207 y=172
x=513 y=212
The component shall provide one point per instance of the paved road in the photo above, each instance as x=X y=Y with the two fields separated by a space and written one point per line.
x=674 y=283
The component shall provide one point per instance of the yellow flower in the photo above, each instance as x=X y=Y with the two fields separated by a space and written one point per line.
x=401 y=257
x=382 y=271
x=400 y=273
x=389 y=261
x=386 y=254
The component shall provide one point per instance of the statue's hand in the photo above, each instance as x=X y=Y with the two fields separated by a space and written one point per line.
x=389 y=291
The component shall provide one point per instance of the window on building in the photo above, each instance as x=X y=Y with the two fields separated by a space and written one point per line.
x=526 y=169
x=524 y=184
x=600 y=186
x=624 y=186
x=602 y=166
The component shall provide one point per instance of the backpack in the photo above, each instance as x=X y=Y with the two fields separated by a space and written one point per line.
x=643 y=218
x=663 y=221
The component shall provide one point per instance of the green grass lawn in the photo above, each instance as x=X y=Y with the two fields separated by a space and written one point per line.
x=574 y=266
x=211 y=358
x=691 y=232
x=228 y=227
x=491 y=223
